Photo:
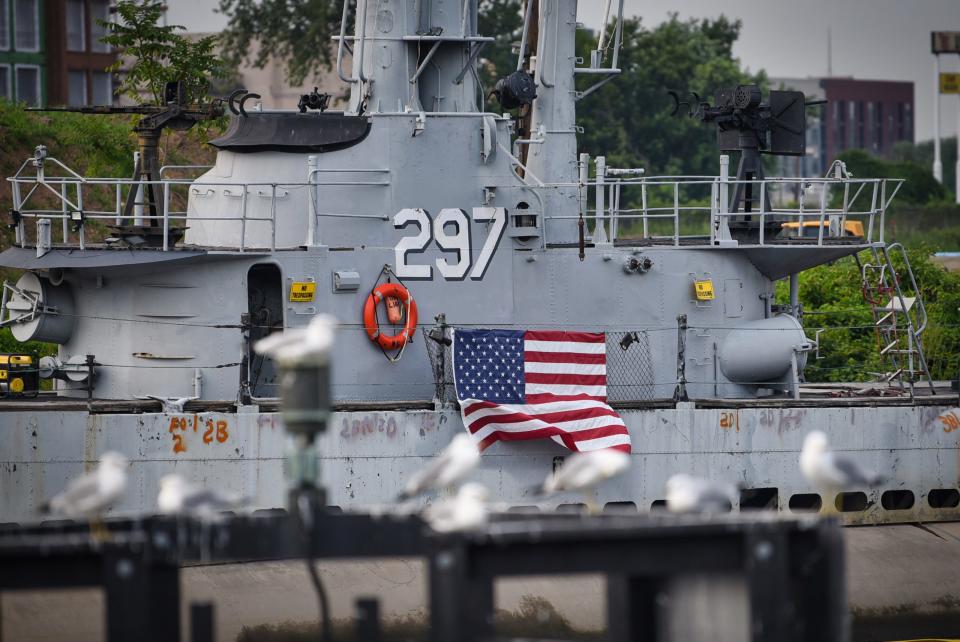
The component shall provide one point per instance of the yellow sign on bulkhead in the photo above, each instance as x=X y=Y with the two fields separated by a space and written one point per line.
x=950 y=83
x=302 y=291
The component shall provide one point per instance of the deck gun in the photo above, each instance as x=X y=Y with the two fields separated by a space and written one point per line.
x=175 y=114
x=747 y=124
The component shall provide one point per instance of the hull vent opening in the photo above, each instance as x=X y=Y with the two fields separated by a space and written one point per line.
x=759 y=499
x=897 y=500
x=805 y=502
x=943 y=498
x=851 y=502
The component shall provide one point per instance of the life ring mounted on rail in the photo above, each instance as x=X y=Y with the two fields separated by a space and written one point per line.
x=383 y=292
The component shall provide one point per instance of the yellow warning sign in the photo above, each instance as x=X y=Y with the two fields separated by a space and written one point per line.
x=950 y=83
x=302 y=291
x=704 y=290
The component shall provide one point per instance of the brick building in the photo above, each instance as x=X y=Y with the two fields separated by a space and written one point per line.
x=872 y=115
x=76 y=59
x=23 y=61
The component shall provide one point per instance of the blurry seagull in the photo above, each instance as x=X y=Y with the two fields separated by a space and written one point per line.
x=89 y=495
x=829 y=472
x=689 y=494
x=171 y=405
x=447 y=469
x=583 y=471
x=180 y=497
x=467 y=510
x=300 y=344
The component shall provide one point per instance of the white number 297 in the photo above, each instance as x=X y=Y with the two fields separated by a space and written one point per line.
x=451 y=232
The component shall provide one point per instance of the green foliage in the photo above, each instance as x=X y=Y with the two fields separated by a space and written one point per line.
x=503 y=20
x=833 y=300
x=922 y=154
x=297 y=31
x=920 y=185
x=629 y=120
x=159 y=54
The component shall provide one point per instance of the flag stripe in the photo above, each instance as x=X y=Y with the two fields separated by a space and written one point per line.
x=534 y=385
x=574 y=379
x=566 y=368
x=557 y=389
x=554 y=335
x=565 y=346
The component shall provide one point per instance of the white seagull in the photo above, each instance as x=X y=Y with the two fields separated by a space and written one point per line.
x=89 y=495
x=689 y=494
x=829 y=472
x=447 y=469
x=291 y=347
x=583 y=471
x=171 y=405
x=467 y=510
x=180 y=497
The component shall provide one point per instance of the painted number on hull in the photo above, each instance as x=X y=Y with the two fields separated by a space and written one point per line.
x=451 y=232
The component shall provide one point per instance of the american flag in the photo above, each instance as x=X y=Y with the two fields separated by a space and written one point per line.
x=515 y=384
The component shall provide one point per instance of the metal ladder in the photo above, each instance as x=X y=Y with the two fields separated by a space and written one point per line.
x=898 y=335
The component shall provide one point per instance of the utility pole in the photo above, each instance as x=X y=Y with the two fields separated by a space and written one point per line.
x=937 y=164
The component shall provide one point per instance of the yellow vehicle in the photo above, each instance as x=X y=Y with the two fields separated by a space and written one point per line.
x=791 y=229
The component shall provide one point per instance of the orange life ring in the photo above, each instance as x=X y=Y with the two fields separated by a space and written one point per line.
x=389 y=341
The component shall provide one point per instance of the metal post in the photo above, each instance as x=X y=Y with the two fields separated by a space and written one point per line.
x=64 y=222
x=795 y=294
x=138 y=199
x=956 y=184
x=166 y=216
x=937 y=164
x=312 y=205
x=600 y=231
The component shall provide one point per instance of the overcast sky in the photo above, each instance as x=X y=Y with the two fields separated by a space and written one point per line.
x=875 y=39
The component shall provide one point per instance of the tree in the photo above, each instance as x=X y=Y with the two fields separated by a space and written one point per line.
x=919 y=185
x=298 y=31
x=158 y=54
x=629 y=120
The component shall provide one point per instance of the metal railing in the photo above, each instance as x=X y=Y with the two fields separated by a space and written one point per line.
x=69 y=199
x=660 y=208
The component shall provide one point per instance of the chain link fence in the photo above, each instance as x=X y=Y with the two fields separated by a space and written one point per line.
x=630 y=373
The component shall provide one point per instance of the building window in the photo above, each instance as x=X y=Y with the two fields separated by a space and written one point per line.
x=26 y=25
x=852 y=124
x=28 y=84
x=881 y=125
x=76 y=88
x=76 y=34
x=102 y=84
x=4 y=28
x=99 y=10
x=5 y=91
x=839 y=127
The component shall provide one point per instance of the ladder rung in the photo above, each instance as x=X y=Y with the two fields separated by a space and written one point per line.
x=889 y=348
x=885 y=318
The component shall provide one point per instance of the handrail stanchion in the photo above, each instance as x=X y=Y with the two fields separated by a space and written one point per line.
x=19 y=236
x=273 y=217
x=846 y=206
x=600 y=227
x=80 y=207
x=714 y=220
x=64 y=222
x=763 y=204
x=676 y=213
x=643 y=206
x=166 y=219
x=312 y=203
x=243 y=218
x=883 y=208
x=117 y=206
x=823 y=213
